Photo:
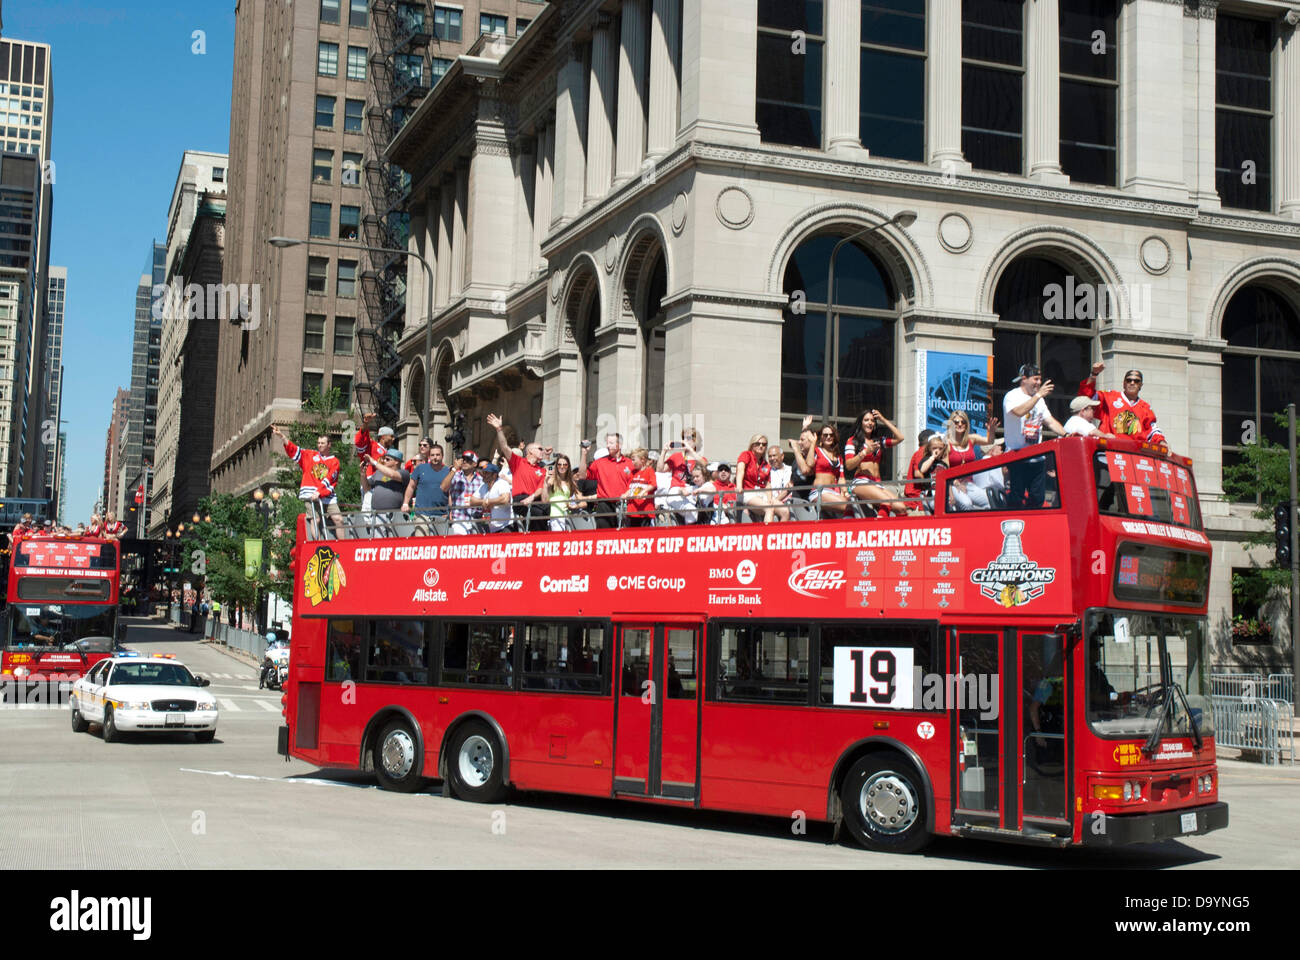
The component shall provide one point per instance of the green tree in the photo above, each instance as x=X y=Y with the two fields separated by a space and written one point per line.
x=1265 y=471
x=214 y=548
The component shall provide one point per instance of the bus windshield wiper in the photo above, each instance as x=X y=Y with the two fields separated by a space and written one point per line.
x=1197 y=739
x=1153 y=740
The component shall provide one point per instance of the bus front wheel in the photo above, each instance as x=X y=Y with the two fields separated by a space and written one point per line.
x=474 y=764
x=397 y=758
x=884 y=806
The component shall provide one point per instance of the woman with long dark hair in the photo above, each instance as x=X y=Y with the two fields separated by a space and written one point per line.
x=828 y=471
x=562 y=493
x=862 y=453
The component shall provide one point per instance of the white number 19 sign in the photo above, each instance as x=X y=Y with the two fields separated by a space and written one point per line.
x=878 y=677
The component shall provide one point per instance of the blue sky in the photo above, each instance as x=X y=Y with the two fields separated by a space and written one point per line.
x=130 y=96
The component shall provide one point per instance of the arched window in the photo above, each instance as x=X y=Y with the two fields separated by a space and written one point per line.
x=1261 y=366
x=1046 y=316
x=586 y=339
x=859 y=339
x=653 y=342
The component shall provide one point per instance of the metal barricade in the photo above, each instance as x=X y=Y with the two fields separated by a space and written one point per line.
x=1281 y=686
x=251 y=643
x=1256 y=725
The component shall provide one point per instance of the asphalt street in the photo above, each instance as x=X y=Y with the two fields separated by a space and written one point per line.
x=71 y=801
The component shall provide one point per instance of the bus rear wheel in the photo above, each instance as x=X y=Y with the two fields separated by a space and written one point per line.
x=474 y=765
x=884 y=806
x=397 y=758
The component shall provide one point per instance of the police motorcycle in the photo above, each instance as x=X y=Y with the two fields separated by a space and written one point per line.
x=275 y=667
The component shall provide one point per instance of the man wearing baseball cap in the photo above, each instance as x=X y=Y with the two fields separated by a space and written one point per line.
x=463 y=485
x=1025 y=412
x=494 y=496
x=1083 y=423
x=1123 y=412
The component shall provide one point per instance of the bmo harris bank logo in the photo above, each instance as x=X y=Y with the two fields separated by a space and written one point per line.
x=817 y=581
x=743 y=572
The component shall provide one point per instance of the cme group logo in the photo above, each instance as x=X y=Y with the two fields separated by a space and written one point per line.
x=611 y=582
x=431 y=577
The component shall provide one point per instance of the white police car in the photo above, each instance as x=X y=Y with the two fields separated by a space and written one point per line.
x=138 y=694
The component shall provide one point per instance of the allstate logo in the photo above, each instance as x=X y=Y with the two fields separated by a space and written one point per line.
x=431 y=577
x=746 y=570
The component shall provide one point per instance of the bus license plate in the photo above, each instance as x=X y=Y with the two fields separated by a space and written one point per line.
x=178 y=720
x=1189 y=822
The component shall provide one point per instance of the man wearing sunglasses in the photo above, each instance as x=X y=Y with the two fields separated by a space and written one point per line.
x=1123 y=412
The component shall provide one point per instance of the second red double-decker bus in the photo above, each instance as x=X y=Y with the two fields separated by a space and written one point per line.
x=62 y=614
x=1030 y=674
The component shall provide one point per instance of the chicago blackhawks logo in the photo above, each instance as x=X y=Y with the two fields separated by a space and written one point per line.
x=1125 y=422
x=324 y=577
x=320 y=471
x=1012 y=579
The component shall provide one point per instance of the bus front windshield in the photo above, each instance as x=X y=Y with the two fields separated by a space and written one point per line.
x=84 y=627
x=1146 y=672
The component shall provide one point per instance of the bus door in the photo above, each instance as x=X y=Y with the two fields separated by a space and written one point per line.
x=1011 y=738
x=656 y=738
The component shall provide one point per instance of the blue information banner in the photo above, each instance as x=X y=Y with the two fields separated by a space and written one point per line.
x=948 y=382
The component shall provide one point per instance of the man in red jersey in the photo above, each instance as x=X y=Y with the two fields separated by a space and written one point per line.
x=320 y=474
x=366 y=446
x=527 y=478
x=612 y=473
x=725 y=497
x=1123 y=412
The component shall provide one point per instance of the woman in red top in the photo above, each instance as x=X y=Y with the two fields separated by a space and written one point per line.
x=641 y=488
x=862 y=453
x=755 y=478
x=828 y=471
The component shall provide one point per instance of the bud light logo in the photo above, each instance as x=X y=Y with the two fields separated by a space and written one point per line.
x=817 y=581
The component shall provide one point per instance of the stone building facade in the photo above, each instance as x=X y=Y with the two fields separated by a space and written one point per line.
x=630 y=212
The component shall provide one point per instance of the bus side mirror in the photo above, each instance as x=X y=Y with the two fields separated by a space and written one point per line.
x=121 y=632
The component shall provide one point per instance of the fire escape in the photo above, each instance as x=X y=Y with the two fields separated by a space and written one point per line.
x=399 y=68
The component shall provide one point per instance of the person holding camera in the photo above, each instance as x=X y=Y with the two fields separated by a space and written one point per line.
x=679 y=457
x=612 y=473
x=462 y=485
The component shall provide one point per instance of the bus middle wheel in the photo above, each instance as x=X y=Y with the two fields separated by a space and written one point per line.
x=884 y=806
x=474 y=765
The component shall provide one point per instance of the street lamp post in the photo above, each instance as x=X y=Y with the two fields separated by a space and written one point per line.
x=283 y=242
x=266 y=510
x=903 y=219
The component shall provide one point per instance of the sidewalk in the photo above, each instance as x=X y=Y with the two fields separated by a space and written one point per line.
x=231 y=652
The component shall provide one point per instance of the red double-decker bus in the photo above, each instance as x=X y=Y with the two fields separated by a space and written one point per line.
x=1036 y=675
x=62 y=612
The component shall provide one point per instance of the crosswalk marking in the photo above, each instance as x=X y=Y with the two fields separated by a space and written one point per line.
x=229 y=705
x=229 y=676
x=270 y=706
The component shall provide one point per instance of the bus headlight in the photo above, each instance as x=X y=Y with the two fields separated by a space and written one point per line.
x=1128 y=790
x=1107 y=791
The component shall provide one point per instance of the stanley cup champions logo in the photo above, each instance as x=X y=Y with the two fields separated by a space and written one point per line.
x=1012 y=579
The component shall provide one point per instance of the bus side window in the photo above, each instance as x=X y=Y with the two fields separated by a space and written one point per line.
x=763 y=662
x=344 y=659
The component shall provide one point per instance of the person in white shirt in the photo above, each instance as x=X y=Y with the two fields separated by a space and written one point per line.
x=1025 y=413
x=780 y=479
x=1084 y=421
x=497 y=498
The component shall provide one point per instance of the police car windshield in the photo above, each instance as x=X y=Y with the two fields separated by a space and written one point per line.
x=156 y=674
x=1132 y=658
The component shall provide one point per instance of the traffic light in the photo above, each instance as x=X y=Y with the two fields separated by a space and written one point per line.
x=1282 y=534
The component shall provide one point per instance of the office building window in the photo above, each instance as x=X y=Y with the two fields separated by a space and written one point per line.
x=343 y=384
x=218 y=174
x=408 y=68
x=349 y=222
x=1243 y=112
x=446 y=24
x=891 y=79
x=790 y=77
x=347 y=285
x=521 y=25
x=310 y=382
x=317 y=275
x=329 y=11
x=327 y=59
x=437 y=67
x=313 y=332
x=358 y=14
x=992 y=84
x=352 y=112
x=322 y=165
x=344 y=327
x=325 y=112
x=356 y=63
x=1261 y=366
x=492 y=23
x=320 y=219
x=1089 y=90
x=351 y=169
